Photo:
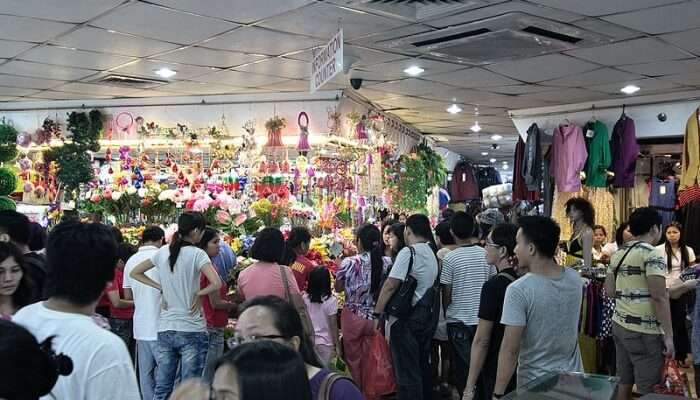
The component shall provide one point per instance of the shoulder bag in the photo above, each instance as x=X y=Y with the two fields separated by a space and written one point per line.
x=324 y=392
x=401 y=303
x=299 y=305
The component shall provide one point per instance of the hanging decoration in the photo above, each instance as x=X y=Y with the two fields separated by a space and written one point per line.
x=303 y=147
x=124 y=122
x=274 y=128
x=333 y=120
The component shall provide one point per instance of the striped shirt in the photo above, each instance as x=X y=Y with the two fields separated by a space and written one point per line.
x=466 y=270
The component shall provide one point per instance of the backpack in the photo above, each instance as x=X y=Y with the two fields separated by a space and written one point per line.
x=324 y=391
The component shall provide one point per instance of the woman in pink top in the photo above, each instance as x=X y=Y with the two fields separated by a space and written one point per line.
x=265 y=276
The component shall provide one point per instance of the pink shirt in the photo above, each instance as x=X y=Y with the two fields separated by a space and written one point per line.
x=263 y=279
x=319 y=313
x=568 y=157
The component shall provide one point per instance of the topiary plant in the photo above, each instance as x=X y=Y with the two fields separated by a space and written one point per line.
x=8 y=181
x=74 y=165
x=8 y=142
x=7 y=203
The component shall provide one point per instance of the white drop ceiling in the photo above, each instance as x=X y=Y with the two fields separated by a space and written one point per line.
x=58 y=49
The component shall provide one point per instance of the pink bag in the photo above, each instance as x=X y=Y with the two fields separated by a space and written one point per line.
x=674 y=382
x=378 y=378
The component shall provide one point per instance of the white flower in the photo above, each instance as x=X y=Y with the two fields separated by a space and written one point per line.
x=131 y=190
x=116 y=196
x=166 y=195
x=142 y=192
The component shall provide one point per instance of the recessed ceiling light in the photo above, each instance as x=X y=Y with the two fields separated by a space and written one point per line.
x=630 y=89
x=484 y=153
x=476 y=127
x=496 y=137
x=414 y=70
x=505 y=166
x=165 y=73
x=493 y=160
x=454 y=109
x=505 y=162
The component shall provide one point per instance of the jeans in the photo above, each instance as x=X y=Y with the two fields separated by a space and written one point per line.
x=146 y=351
x=215 y=351
x=461 y=337
x=188 y=349
x=409 y=341
x=124 y=328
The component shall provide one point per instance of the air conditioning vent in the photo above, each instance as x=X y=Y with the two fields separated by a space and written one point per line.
x=133 y=82
x=449 y=38
x=412 y=10
x=416 y=1
x=552 y=35
x=509 y=36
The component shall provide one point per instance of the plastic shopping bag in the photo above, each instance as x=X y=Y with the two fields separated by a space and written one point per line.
x=378 y=378
x=674 y=381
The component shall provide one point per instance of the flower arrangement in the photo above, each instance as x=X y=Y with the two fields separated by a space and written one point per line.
x=275 y=123
x=301 y=215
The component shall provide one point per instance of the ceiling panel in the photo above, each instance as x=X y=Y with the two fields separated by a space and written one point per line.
x=261 y=41
x=30 y=29
x=8 y=98
x=58 y=10
x=597 y=77
x=648 y=86
x=541 y=68
x=472 y=78
x=7 y=91
x=74 y=58
x=38 y=70
x=519 y=89
x=100 y=90
x=691 y=78
x=687 y=40
x=239 y=79
x=321 y=20
x=615 y=32
x=285 y=68
x=53 y=95
x=26 y=82
x=147 y=68
x=503 y=8
x=413 y=87
x=602 y=7
x=207 y=57
x=241 y=11
x=163 y=24
x=630 y=52
x=292 y=85
x=670 y=18
x=9 y=49
x=365 y=57
x=569 y=95
x=101 y=40
x=412 y=102
x=376 y=95
x=198 y=88
x=660 y=68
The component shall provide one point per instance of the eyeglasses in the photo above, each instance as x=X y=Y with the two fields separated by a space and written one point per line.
x=240 y=339
x=492 y=244
x=221 y=394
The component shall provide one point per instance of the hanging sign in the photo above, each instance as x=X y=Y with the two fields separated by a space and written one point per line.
x=327 y=61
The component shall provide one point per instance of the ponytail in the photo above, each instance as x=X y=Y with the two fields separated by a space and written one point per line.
x=186 y=223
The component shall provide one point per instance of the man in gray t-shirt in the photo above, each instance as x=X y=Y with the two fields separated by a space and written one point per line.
x=541 y=311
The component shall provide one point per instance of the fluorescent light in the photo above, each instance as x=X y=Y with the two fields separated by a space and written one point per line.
x=484 y=153
x=475 y=128
x=493 y=160
x=496 y=137
x=414 y=70
x=165 y=73
x=630 y=89
x=668 y=155
x=454 y=109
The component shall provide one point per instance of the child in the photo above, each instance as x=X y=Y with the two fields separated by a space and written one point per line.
x=323 y=308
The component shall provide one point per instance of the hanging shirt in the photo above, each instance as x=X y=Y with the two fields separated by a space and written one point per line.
x=532 y=162
x=568 y=157
x=598 y=156
x=520 y=189
x=464 y=185
x=690 y=159
x=624 y=146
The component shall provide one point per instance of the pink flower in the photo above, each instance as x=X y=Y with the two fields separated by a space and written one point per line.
x=107 y=194
x=223 y=217
x=95 y=198
x=201 y=205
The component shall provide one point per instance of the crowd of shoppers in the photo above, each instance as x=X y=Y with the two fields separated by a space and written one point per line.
x=463 y=310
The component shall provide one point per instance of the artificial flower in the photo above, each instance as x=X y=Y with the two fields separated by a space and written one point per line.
x=223 y=217
x=116 y=195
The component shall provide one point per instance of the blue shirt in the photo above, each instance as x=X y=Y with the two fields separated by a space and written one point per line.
x=225 y=261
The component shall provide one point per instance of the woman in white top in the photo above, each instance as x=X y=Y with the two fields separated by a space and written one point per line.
x=678 y=258
x=182 y=331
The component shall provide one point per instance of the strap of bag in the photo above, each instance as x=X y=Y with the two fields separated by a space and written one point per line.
x=324 y=392
x=410 y=262
x=283 y=274
x=507 y=276
x=623 y=259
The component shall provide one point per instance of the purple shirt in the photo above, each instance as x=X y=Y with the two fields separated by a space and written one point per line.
x=342 y=389
x=624 y=148
x=568 y=157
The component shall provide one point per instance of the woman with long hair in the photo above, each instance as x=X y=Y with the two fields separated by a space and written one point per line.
x=396 y=239
x=580 y=247
x=15 y=284
x=295 y=251
x=386 y=238
x=360 y=277
x=216 y=306
x=182 y=329
x=678 y=258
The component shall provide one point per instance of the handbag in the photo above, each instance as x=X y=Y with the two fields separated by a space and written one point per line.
x=401 y=303
x=674 y=382
x=298 y=305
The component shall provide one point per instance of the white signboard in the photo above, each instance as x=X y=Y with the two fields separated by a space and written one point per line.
x=327 y=61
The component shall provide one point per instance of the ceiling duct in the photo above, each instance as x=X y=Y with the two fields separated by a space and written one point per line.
x=508 y=36
x=133 y=82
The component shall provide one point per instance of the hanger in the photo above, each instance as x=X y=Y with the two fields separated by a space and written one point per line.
x=593 y=116
x=623 y=115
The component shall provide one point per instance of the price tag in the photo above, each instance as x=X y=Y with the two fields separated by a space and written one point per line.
x=590 y=133
x=662 y=189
